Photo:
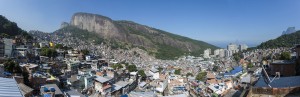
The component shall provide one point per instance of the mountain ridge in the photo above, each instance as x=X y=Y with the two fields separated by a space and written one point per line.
x=124 y=33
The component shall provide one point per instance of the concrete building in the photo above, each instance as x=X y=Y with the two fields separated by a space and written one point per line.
x=221 y=53
x=216 y=52
x=206 y=53
x=283 y=67
x=102 y=85
x=232 y=47
x=2 y=49
x=8 y=47
x=243 y=47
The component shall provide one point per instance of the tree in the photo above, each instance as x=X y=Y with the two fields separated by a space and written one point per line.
x=177 y=71
x=85 y=52
x=117 y=66
x=142 y=73
x=58 y=46
x=12 y=67
x=215 y=68
x=159 y=69
x=201 y=76
x=285 y=56
x=48 y=52
x=250 y=65
x=131 y=68
x=189 y=74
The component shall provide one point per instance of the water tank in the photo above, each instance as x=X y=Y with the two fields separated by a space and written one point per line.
x=52 y=89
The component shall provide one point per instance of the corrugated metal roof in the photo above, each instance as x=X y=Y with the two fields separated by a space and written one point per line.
x=9 y=88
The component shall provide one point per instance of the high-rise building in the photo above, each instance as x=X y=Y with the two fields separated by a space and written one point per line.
x=221 y=53
x=232 y=47
x=243 y=47
x=216 y=52
x=206 y=53
x=8 y=47
x=2 y=49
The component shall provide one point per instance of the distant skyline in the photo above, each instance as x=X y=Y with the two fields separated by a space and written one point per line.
x=218 y=22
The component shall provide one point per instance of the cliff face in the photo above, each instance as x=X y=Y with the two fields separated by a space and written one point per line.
x=137 y=35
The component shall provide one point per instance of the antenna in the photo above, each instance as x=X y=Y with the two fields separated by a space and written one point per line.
x=267 y=78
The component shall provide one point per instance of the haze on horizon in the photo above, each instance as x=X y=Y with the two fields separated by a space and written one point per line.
x=219 y=22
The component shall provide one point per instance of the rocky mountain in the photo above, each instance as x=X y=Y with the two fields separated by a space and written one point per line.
x=289 y=30
x=128 y=34
x=287 y=40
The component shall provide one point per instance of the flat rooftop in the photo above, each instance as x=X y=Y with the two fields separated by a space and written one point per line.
x=282 y=82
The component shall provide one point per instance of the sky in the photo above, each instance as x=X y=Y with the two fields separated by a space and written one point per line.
x=218 y=22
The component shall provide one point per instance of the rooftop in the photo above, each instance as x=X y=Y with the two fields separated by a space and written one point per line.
x=287 y=62
x=25 y=89
x=282 y=82
x=102 y=79
x=9 y=88
x=57 y=90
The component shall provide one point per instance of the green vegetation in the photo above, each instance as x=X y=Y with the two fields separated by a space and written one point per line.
x=285 y=56
x=238 y=56
x=142 y=73
x=189 y=74
x=287 y=40
x=131 y=68
x=177 y=71
x=85 y=52
x=49 y=52
x=160 y=69
x=250 y=65
x=201 y=76
x=117 y=66
x=167 y=52
x=215 y=68
x=10 y=29
x=12 y=66
x=162 y=50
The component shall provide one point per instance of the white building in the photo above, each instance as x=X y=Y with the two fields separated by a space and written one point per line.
x=243 y=47
x=8 y=46
x=221 y=53
x=155 y=73
x=232 y=47
x=206 y=53
x=217 y=52
x=227 y=53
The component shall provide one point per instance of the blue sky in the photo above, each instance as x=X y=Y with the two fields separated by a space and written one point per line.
x=215 y=21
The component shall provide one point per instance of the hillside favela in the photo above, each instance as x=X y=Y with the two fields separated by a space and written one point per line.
x=149 y=48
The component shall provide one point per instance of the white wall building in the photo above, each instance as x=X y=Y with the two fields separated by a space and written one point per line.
x=206 y=53
x=232 y=47
x=216 y=52
x=243 y=47
x=8 y=46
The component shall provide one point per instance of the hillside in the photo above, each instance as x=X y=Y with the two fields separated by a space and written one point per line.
x=128 y=34
x=287 y=40
x=10 y=29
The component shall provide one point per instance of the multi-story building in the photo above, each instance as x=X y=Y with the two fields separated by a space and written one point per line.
x=2 y=48
x=232 y=47
x=243 y=47
x=102 y=85
x=221 y=53
x=8 y=47
x=216 y=52
x=207 y=52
